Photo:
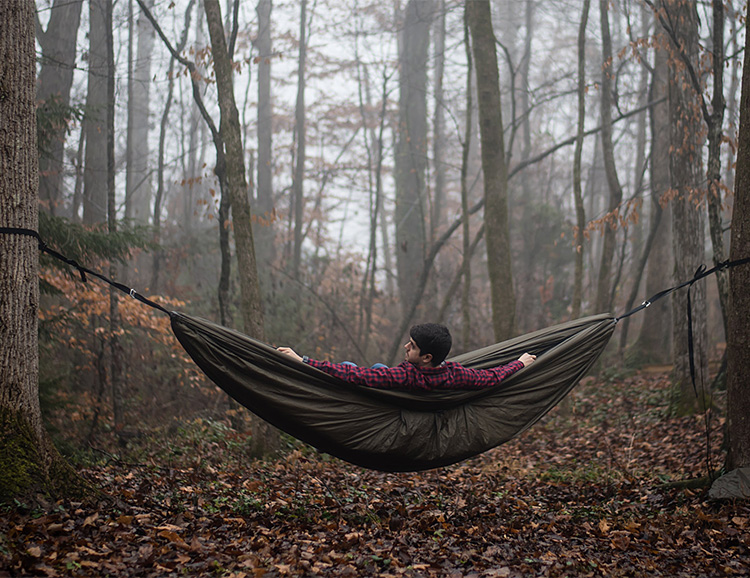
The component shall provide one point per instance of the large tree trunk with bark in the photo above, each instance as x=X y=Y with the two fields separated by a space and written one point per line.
x=229 y=128
x=58 y=44
x=29 y=465
x=738 y=335
x=411 y=151
x=494 y=169
x=687 y=212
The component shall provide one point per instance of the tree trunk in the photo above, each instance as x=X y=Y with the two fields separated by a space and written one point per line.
x=266 y=439
x=138 y=176
x=494 y=168
x=687 y=212
x=738 y=336
x=55 y=80
x=603 y=289
x=264 y=233
x=115 y=347
x=411 y=151
x=438 y=123
x=30 y=467
x=94 y=123
x=654 y=341
x=298 y=192
x=466 y=229
x=251 y=307
x=577 y=192
x=713 y=169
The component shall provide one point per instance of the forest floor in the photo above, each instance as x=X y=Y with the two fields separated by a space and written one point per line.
x=580 y=494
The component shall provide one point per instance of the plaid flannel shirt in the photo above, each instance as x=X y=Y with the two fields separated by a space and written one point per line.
x=407 y=376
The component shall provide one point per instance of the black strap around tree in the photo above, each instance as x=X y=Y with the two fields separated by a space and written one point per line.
x=43 y=247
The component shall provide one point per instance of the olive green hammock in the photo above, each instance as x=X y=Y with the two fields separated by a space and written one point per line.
x=393 y=430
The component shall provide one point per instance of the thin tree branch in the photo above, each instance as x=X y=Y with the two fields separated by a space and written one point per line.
x=533 y=160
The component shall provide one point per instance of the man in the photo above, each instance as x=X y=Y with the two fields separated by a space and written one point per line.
x=424 y=367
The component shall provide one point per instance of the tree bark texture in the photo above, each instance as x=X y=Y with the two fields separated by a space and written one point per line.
x=411 y=149
x=58 y=44
x=494 y=169
x=713 y=169
x=264 y=232
x=687 y=212
x=251 y=306
x=604 y=280
x=577 y=191
x=138 y=177
x=28 y=463
x=438 y=123
x=738 y=336
x=95 y=120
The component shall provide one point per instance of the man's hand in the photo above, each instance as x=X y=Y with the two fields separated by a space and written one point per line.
x=290 y=352
x=526 y=359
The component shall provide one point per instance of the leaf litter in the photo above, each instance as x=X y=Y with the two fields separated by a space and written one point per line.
x=580 y=494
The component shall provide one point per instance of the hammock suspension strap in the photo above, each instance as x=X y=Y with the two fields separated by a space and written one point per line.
x=83 y=271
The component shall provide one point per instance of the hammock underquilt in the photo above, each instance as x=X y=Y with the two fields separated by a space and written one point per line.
x=391 y=430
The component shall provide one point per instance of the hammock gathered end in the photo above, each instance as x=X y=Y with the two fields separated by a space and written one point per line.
x=390 y=430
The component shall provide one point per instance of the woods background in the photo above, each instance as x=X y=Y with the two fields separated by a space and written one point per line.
x=311 y=173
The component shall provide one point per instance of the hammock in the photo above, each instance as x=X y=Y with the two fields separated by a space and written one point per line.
x=389 y=430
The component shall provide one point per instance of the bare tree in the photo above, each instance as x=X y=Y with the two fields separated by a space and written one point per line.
x=604 y=281
x=163 y=125
x=466 y=229
x=57 y=64
x=670 y=16
x=687 y=211
x=577 y=192
x=138 y=176
x=113 y=337
x=298 y=193
x=94 y=122
x=264 y=234
x=251 y=307
x=438 y=122
x=494 y=169
x=411 y=153
x=654 y=340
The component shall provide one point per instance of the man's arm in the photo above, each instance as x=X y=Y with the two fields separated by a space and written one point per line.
x=467 y=378
x=381 y=378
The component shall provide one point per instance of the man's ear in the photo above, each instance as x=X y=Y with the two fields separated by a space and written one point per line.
x=427 y=358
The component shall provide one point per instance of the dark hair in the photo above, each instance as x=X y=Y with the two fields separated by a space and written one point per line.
x=432 y=338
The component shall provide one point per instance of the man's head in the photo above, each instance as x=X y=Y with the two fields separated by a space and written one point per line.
x=428 y=345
